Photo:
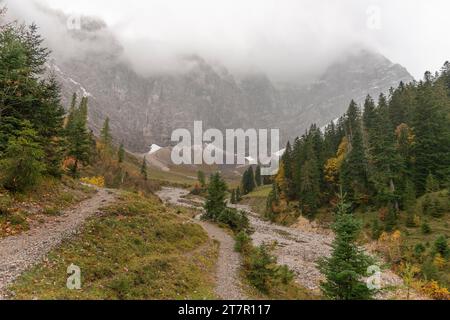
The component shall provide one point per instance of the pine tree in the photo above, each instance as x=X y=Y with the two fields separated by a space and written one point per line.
x=144 y=169
x=121 y=153
x=201 y=178
x=258 y=179
x=345 y=268
x=215 y=200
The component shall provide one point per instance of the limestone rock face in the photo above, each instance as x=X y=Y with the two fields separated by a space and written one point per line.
x=144 y=110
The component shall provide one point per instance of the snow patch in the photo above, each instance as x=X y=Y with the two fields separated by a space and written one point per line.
x=154 y=148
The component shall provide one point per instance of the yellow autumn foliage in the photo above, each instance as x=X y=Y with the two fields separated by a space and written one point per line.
x=95 y=181
x=390 y=245
x=333 y=165
x=434 y=290
x=439 y=262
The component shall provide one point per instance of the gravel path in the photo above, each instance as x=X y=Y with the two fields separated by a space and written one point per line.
x=298 y=249
x=18 y=253
x=227 y=275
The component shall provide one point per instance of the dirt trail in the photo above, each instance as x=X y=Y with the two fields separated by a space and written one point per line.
x=228 y=285
x=298 y=249
x=18 y=253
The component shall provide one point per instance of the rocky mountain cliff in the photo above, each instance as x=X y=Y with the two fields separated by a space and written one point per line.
x=145 y=110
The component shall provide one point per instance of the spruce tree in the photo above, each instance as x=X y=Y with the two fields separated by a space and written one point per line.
x=105 y=136
x=21 y=164
x=27 y=95
x=121 y=154
x=354 y=169
x=144 y=173
x=238 y=194
x=201 y=178
x=258 y=179
x=345 y=268
x=215 y=199
x=432 y=132
x=233 y=197
x=78 y=138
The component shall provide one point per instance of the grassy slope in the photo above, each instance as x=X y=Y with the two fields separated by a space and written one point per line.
x=137 y=249
x=50 y=197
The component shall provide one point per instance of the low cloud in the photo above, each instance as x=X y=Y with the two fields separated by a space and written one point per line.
x=290 y=39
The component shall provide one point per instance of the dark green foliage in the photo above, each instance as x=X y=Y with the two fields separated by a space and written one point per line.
x=409 y=196
x=354 y=169
x=236 y=220
x=348 y=264
x=272 y=200
x=201 y=178
x=29 y=98
x=21 y=164
x=391 y=220
x=262 y=270
x=377 y=229
x=77 y=136
x=215 y=200
x=397 y=150
x=419 y=249
x=121 y=154
x=248 y=181
x=432 y=130
x=242 y=241
x=238 y=194
x=425 y=227
x=105 y=135
x=410 y=223
x=258 y=179
x=431 y=184
x=233 y=197
x=144 y=173
x=441 y=246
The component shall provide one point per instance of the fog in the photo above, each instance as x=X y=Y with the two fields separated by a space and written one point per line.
x=286 y=39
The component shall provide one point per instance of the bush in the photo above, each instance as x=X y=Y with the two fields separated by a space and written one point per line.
x=236 y=220
x=441 y=246
x=5 y=205
x=242 y=241
x=426 y=229
x=377 y=230
x=52 y=211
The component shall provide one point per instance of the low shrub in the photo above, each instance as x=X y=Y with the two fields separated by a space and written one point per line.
x=242 y=241
x=262 y=270
x=236 y=220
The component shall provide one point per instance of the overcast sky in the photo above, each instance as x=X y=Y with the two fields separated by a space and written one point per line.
x=275 y=36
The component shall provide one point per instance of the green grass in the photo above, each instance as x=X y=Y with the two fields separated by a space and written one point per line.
x=260 y=192
x=137 y=249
